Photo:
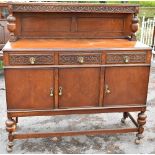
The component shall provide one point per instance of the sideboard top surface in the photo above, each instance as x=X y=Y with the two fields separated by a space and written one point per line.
x=73 y=44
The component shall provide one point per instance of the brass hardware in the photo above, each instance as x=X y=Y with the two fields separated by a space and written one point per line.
x=51 y=92
x=107 y=90
x=60 y=91
x=32 y=60
x=81 y=60
x=126 y=59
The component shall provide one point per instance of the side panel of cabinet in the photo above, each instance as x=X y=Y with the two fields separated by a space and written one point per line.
x=80 y=87
x=126 y=85
x=29 y=88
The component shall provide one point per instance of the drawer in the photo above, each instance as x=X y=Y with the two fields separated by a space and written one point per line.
x=31 y=59
x=125 y=58
x=80 y=58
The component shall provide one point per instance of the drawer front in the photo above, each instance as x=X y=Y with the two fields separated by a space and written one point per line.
x=125 y=58
x=31 y=59
x=76 y=59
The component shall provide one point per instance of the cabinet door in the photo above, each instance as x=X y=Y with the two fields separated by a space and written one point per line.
x=79 y=86
x=126 y=85
x=29 y=88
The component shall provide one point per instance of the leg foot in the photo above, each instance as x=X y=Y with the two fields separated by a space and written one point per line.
x=137 y=141
x=141 y=122
x=125 y=115
x=56 y=139
x=9 y=147
x=123 y=120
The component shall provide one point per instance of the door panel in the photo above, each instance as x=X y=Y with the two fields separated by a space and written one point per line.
x=80 y=87
x=29 y=88
x=127 y=85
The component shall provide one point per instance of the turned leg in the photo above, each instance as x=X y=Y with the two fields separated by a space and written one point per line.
x=16 y=120
x=125 y=115
x=141 y=122
x=10 y=127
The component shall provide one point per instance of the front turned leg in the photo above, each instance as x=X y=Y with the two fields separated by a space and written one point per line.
x=10 y=127
x=125 y=115
x=141 y=122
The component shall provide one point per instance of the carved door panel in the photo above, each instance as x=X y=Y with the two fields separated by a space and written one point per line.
x=79 y=87
x=126 y=86
x=29 y=88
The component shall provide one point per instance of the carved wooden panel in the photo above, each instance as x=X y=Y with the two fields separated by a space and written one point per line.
x=137 y=57
x=100 y=24
x=67 y=25
x=102 y=21
x=67 y=59
x=57 y=7
x=25 y=59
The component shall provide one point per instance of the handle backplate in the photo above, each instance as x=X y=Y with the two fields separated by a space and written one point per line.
x=81 y=60
x=32 y=60
x=51 y=92
x=60 y=91
x=107 y=90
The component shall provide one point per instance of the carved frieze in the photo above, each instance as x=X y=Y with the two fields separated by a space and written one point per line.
x=27 y=59
x=80 y=59
x=126 y=58
x=73 y=8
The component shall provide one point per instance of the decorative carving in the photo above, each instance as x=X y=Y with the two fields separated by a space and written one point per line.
x=134 y=27
x=74 y=59
x=132 y=57
x=25 y=59
x=11 y=25
x=57 y=7
x=141 y=122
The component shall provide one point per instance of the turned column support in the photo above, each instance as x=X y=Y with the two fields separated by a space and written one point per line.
x=141 y=122
x=10 y=127
x=134 y=27
x=11 y=25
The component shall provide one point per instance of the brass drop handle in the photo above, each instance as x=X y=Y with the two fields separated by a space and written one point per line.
x=60 y=91
x=126 y=59
x=107 y=90
x=51 y=92
x=32 y=60
x=81 y=60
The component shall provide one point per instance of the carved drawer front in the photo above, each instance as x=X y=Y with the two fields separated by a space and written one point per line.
x=80 y=58
x=127 y=57
x=31 y=59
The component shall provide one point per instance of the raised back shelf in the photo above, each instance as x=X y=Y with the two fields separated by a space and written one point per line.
x=63 y=20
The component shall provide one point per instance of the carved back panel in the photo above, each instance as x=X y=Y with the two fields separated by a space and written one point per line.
x=63 y=20
x=73 y=25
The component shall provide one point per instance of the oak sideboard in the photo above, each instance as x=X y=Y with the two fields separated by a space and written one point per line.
x=69 y=58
